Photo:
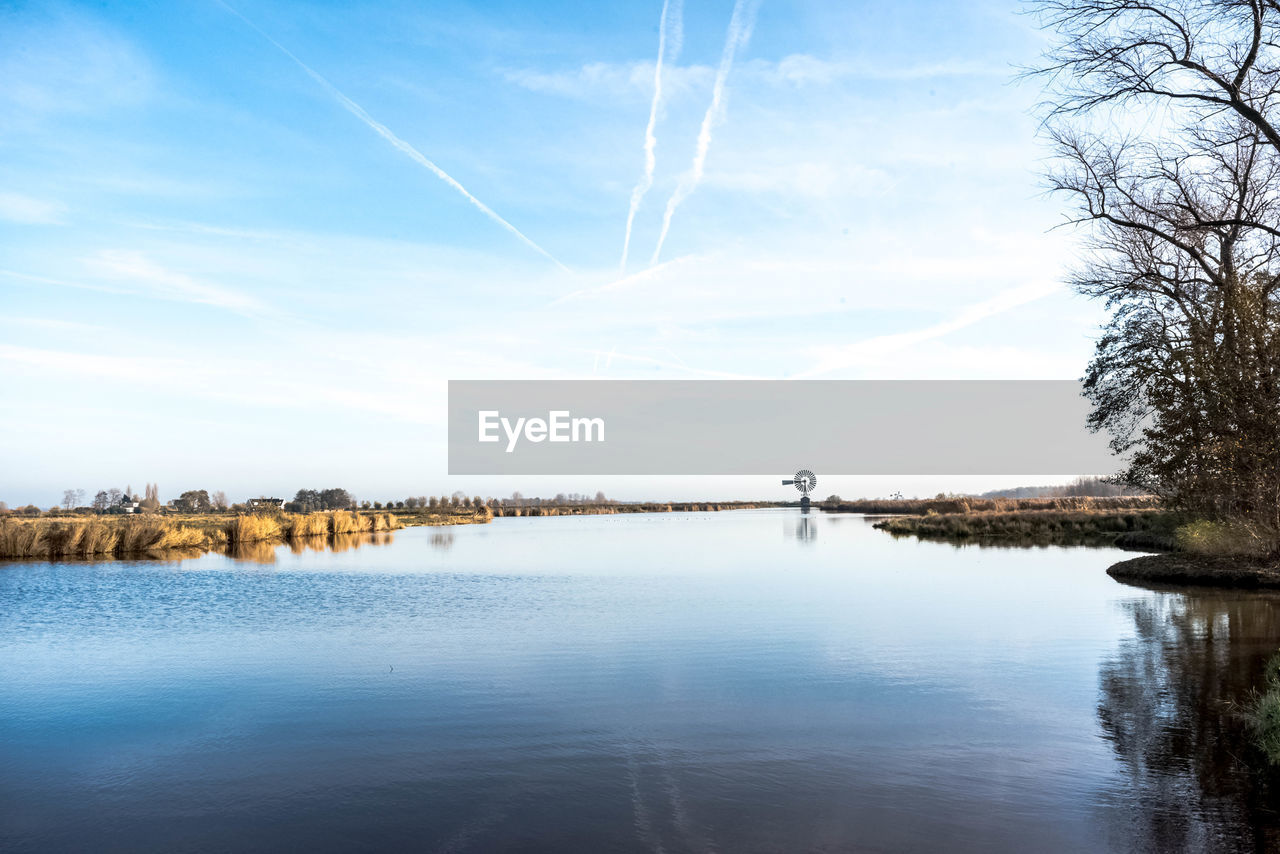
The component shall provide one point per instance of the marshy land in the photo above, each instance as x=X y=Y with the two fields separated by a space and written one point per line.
x=115 y=536
x=125 y=536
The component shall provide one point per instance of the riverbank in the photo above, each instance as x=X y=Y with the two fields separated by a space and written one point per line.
x=51 y=538
x=1218 y=571
x=639 y=507
x=1149 y=528
x=1191 y=552
x=965 y=505
x=131 y=536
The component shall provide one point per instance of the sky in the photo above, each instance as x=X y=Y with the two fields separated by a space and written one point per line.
x=244 y=247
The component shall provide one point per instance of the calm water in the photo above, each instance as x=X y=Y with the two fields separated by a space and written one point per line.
x=745 y=681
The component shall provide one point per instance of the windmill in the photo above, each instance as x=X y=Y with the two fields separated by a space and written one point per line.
x=805 y=481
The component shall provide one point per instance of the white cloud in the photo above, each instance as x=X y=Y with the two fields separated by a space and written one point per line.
x=137 y=269
x=26 y=210
x=613 y=80
x=69 y=63
x=813 y=179
x=91 y=365
x=803 y=69
x=873 y=350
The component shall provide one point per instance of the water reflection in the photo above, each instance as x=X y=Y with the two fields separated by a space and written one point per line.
x=1169 y=704
x=346 y=542
x=805 y=529
x=265 y=551
x=712 y=681
x=257 y=552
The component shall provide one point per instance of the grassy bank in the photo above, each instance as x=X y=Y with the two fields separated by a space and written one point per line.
x=641 y=507
x=1149 y=528
x=124 y=536
x=1216 y=553
x=1221 y=553
x=43 y=538
x=967 y=505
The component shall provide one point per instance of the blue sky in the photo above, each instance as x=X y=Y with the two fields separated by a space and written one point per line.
x=217 y=275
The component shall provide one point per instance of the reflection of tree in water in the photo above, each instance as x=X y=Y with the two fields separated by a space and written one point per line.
x=442 y=541
x=1169 y=705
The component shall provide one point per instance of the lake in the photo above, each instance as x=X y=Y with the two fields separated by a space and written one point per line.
x=753 y=680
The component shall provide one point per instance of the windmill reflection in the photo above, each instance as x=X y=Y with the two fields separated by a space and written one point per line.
x=1168 y=703
x=806 y=529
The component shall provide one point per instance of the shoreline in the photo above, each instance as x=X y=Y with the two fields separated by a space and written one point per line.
x=1138 y=529
x=1145 y=530
x=1183 y=569
x=79 y=538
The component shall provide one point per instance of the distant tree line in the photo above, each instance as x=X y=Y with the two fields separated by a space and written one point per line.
x=1081 y=487
x=315 y=500
x=113 y=501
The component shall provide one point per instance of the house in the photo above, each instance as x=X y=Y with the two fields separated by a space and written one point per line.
x=256 y=504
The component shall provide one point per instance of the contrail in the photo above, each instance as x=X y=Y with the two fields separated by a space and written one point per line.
x=676 y=23
x=385 y=132
x=861 y=352
x=744 y=14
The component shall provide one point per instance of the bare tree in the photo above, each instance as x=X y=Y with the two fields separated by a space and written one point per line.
x=219 y=500
x=1183 y=217
x=68 y=499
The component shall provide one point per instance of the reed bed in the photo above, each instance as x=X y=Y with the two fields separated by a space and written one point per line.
x=253 y=528
x=294 y=527
x=48 y=539
x=98 y=537
x=307 y=525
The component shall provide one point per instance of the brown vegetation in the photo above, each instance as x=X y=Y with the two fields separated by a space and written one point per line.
x=965 y=504
x=43 y=538
x=1148 y=528
x=615 y=508
x=245 y=534
x=116 y=536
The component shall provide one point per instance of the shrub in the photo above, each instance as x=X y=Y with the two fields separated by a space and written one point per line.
x=1263 y=712
x=1228 y=538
